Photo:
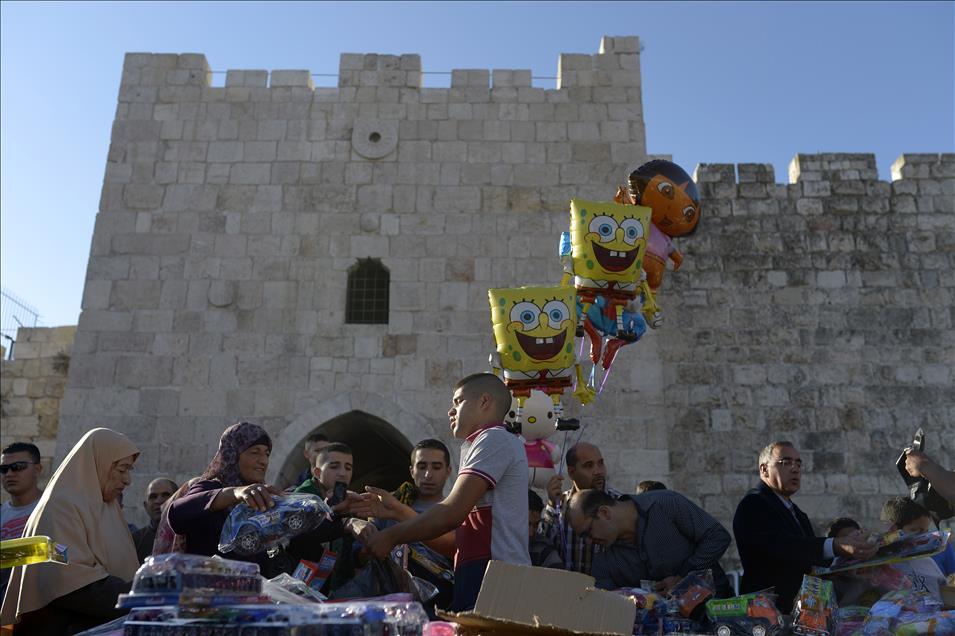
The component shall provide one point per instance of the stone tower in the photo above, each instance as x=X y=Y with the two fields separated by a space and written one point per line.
x=231 y=217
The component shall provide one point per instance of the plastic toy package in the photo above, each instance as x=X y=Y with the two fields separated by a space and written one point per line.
x=248 y=532
x=894 y=547
x=865 y=586
x=30 y=550
x=352 y=619
x=285 y=588
x=814 y=607
x=747 y=615
x=651 y=609
x=691 y=592
x=910 y=614
x=194 y=574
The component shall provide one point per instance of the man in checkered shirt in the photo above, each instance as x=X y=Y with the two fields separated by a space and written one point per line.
x=586 y=469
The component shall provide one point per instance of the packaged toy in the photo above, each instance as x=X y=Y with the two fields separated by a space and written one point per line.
x=248 y=531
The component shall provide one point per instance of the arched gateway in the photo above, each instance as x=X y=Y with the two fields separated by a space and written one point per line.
x=381 y=434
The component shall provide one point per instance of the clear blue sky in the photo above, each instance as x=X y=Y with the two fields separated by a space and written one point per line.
x=722 y=82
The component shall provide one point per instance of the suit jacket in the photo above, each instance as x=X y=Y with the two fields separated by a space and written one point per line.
x=776 y=551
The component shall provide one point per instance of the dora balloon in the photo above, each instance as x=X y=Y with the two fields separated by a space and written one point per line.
x=669 y=191
x=534 y=331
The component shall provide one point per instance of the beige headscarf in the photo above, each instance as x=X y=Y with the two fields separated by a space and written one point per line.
x=72 y=512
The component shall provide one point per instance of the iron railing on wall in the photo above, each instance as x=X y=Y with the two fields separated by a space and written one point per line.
x=14 y=313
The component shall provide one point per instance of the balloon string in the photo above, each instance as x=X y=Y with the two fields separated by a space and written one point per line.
x=604 y=380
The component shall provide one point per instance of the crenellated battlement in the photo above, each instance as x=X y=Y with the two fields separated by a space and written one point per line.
x=830 y=167
x=611 y=75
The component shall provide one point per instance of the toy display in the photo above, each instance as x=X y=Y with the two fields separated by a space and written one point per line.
x=30 y=550
x=813 y=610
x=249 y=532
x=894 y=547
x=352 y=619
x=534 y=331
x=747 y=615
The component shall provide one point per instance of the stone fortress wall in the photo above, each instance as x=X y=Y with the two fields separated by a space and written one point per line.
x=32 y=383
x=819 y=311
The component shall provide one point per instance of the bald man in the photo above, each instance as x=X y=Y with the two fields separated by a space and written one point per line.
x=586 y=469
x=157 y=493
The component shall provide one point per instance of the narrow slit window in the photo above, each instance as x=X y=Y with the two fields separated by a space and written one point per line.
x=366 y=300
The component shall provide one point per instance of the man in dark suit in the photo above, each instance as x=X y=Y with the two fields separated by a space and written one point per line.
x=776 y=541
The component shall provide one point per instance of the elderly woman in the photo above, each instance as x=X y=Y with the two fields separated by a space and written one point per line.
x=80 y=509
x=235 y=475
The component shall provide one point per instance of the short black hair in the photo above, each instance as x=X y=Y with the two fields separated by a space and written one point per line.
x=334 y=447
x=649 y=484
x=841 y=524
x=491 y=384
x=901 y=511
x=589 y=501
x=534 y=502
x=23 y=447
x=433 y=444
x=316 y=437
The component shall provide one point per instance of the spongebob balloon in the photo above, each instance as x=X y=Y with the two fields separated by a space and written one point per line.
x=534 y=331
x=539 y=423
x=608 y=242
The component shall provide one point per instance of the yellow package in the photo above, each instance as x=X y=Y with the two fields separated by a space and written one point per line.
x=30 y=550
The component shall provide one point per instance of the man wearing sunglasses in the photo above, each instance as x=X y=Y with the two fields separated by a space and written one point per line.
x=20 y=470
x=776 y=541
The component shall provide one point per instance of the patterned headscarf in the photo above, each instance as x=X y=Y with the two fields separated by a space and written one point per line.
x=235 y=440
x=224 y=467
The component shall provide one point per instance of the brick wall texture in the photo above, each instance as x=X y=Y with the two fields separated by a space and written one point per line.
x=818 y=311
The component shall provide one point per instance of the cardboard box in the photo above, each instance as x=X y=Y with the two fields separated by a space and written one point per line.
x=948 y=596
x=519 y=600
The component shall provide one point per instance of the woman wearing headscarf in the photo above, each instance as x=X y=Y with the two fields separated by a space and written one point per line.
x=192 y=520
x=80 y=509
x=235 y=475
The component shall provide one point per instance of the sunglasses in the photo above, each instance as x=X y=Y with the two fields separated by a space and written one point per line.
x=15 y=467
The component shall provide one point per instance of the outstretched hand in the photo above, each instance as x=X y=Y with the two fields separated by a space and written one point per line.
x=376 y=503
x=854 y=547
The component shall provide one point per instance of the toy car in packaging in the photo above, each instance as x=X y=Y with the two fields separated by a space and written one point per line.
x=815 y=604
x=691 y=593
x=747 y=615
x=248 y=532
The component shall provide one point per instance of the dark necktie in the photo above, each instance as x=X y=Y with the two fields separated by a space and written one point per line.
x=792 y=511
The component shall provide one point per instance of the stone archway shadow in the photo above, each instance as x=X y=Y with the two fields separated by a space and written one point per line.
x=392 y=424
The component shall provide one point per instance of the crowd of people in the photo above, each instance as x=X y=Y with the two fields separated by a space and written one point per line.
x=653 y=537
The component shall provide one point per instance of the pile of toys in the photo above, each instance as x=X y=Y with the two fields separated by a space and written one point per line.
x=191 y=595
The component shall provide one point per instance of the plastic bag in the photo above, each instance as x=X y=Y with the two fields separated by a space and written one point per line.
x=378 y=578
x=288 y=589
x=248 y=532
